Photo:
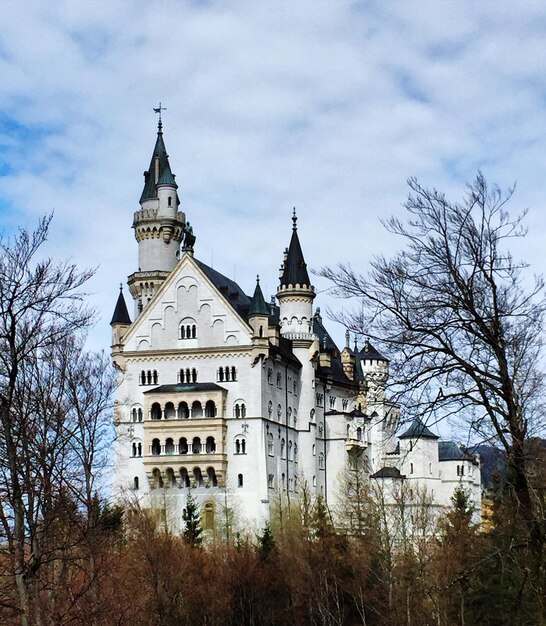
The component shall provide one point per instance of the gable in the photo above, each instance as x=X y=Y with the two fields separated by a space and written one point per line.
x=188 y=311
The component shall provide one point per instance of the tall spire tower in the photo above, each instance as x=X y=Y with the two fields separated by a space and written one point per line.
x=295 y=292
x=158 y=225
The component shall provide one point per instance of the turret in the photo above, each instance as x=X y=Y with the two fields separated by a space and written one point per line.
x=258 y=314
x=158 y=225
x=120 y=323
x=348 y=359
x=295 y=293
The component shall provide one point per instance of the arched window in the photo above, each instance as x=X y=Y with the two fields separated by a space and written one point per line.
x=183 y=411
x=197 y=477
x=139 y=449
x=239 y=480
x=171 y=480
x=155 y=377
x=211 y=475
x=196 y=409
x=237 y=411
x=182 y=334
x=188 y=375
x=182 y=445
x=279 y=412
x=270 y=444
x=156 y=447
x=194 y=331
x=169 y=411
x=270 y=479
x=289 y=450
x=321 y=460
x=156 y=411
x=314 y=450
x=295 y=416
x=139 y=413
x=210 y=409
x=295 y=453
x=283 y=481
x=411 y=468
x=169 y=446
x=233 y=374
x=279 y=380
x=184 y=478
x=194 y=375
x=237 y=446
x=312 y=414
x=135 y=483
x=220 y=374
x=134 y=413
x=359 y=433
x=149 y=377
x=134 y=450
x=208 y=518
x=289 y=415
x=142 y=377
x=181 y=377
x=243 y=446
x=169 y=201
x=210 y=445
x=157 y=479
x=270 y=375
x=314 y=481
x=282 y=448
x=269 y=409
x=196 y=445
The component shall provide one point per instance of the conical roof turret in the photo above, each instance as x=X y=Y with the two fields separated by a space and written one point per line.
x=257 y=304
x=295 y=267
x=121 y=314
x=159 y=172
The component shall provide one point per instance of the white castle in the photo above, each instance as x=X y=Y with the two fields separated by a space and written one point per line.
x=221 y=393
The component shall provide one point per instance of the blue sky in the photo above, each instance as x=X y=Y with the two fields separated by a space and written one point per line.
x=326 y=106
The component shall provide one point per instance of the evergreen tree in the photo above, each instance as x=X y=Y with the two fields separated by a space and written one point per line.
x=192 y=519
x=266 y=543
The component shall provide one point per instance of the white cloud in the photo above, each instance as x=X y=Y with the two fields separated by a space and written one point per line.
x=324 y=105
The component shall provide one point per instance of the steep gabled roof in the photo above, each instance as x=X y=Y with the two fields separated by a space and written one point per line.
x=295 y=268
x=388 y=472
x=165 y=176
x=121 y=314
x=418 y=430
x=228 y=288
x=369 y=352
x=327 y=343
x=257 y=304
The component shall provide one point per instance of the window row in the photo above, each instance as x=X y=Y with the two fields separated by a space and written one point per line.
x=183 y=410
x=182 y=479
x=292 y=415
x=292 y=384
x=226 y=374
x=292 y=448
x=136 y=415
x=187 y=375
x=136 y=449
x=149 y=377
x=183 y=446
x=187 y=331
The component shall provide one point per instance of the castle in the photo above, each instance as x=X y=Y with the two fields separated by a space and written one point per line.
x=220 y=392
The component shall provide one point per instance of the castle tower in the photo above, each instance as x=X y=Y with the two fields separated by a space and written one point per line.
x=158 y=225
x=295 y=293
x=120 y=324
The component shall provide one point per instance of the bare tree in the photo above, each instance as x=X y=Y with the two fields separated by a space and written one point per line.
x=463 y=323
x=41 y=304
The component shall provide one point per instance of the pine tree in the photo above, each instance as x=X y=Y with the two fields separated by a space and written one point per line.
x=192 y=519
x=266 y=543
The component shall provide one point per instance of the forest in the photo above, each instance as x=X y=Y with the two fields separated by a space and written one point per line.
x=467 y=326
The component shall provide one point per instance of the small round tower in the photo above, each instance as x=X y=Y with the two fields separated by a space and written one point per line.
x=295 y=292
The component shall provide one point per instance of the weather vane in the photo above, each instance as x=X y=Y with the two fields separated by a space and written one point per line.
x=158 y=110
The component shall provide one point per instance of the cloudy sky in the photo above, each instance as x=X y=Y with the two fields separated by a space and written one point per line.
x=326 y=106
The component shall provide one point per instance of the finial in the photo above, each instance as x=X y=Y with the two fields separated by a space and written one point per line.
x=356 y=344
x=258 y=278
x=121 y=286
x=294 y=219
x=159 y=123
x=347 y=338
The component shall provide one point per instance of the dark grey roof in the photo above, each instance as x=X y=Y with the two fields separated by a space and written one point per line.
x=295 y=268
x=165 y=176
x=121 y=314
x=229 y=289
x=284 y=350
x=257 y=304
x=388 y=472
x=327 y=343
x=450 y=451
x=369 y=352
x=418 y=430
x=181 y=387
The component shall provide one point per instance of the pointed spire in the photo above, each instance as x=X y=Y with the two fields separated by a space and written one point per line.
x=257 y=304
x=159 y=172
x=295 y=268
x=121 y=314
